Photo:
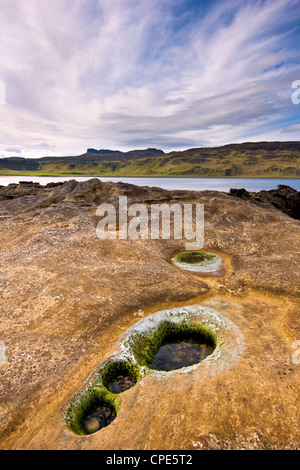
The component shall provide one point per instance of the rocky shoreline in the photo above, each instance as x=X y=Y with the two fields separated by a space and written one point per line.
x=67 y=298
x=283 y=198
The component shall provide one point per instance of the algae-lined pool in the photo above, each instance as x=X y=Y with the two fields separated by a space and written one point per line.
x=184 y=340
x=200 y=263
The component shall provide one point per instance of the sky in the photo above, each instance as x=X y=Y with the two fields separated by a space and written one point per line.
x=134 y=74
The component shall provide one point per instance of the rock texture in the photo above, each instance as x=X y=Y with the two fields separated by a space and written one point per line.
x=67 y=298
x=284 y=198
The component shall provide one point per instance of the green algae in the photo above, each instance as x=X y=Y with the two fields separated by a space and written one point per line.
x=85 y=403
x=198 y=261
x=194 y=257
x=142 y=341
x=147 y=344
x=116 y=367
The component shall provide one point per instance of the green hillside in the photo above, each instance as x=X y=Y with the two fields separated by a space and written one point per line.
x=262 y=159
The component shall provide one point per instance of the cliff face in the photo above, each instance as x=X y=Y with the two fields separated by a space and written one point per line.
x=67 y=299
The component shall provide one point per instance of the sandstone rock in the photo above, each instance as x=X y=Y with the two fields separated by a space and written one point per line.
x=67 y=298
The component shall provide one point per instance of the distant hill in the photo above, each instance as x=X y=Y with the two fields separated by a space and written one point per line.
x=116 y=154
x=258 y=159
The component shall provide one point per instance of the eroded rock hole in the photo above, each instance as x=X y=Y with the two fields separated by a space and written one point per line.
x=184 y=336
x=92 y=410
x=119 y=376
x=200 y=263
x=174 y=346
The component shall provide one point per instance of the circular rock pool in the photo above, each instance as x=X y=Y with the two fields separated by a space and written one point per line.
x=200 y=263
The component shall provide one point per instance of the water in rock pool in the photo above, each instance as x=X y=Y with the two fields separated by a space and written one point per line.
x=121 y=384
x=101 y=417
x=176 y=355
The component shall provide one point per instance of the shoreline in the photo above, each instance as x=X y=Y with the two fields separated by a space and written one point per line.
x=147 y=176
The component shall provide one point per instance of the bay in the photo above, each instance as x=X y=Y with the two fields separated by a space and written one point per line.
x=194 y=184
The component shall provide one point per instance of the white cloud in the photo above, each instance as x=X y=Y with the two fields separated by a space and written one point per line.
x=122 y=73
x=292 y=128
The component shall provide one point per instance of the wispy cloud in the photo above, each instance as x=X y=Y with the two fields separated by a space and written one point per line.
x=127 y=73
